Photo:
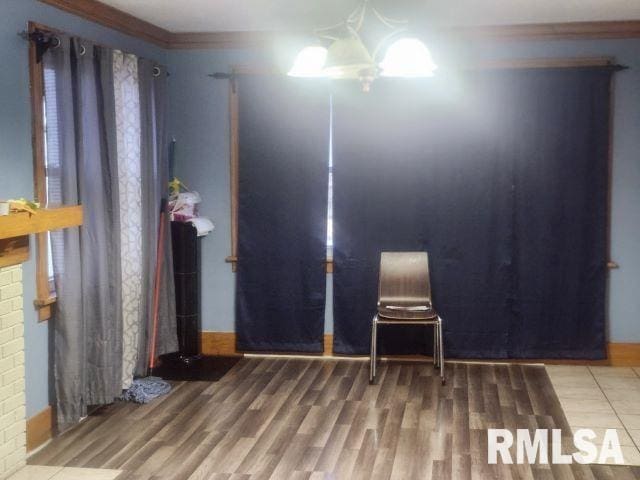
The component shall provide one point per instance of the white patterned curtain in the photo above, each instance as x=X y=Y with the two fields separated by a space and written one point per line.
x=127 y=101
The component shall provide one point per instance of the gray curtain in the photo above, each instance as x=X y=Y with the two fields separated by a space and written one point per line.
x=154 y=151
x=82 y=167
x=81 y=156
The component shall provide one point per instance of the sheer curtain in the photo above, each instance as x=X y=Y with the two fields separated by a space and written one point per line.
x=98 y=121
x=127 y=100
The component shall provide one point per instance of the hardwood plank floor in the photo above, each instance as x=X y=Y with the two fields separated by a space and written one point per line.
x=320 y=419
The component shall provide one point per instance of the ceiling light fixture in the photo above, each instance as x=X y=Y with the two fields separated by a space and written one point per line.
x=347 y=57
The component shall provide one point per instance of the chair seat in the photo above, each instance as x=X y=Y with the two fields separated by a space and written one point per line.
x=414 y=312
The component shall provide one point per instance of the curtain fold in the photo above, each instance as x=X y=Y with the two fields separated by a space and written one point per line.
x=561 y=202
x=505 y=187
x=154 y=151
x=413 y=172
x=87 y=327
x=282 y=212
x=107 y=150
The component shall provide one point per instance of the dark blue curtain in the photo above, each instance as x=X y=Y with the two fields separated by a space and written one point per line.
x=504 y=184
x=282 y=228
x=560 y=221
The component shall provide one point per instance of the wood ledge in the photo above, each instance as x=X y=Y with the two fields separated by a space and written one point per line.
x=45 y=219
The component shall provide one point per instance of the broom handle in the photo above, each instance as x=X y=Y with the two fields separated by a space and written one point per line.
x=156 y=289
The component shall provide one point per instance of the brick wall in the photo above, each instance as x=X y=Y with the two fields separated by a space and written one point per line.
x=12 y=397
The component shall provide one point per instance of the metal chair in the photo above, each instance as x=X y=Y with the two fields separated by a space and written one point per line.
x=404 y=298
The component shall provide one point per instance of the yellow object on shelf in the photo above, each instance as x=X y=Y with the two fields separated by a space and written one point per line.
x=21 y=223
x=23 y=205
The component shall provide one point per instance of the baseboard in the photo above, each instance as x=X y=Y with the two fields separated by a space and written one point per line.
x=328 y=344
x=39 y=428
x=624 y=354
x=619 y=354
x=224 y=344
x=219 y=343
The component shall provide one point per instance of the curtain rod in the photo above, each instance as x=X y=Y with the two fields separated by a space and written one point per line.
x=44 y=37
x=513 y=64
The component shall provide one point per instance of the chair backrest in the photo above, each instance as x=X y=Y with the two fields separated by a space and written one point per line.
x=404 y=279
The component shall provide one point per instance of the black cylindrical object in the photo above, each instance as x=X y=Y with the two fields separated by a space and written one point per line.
x=186 y=270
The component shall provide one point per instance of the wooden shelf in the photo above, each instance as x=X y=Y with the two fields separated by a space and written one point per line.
x=45 y=219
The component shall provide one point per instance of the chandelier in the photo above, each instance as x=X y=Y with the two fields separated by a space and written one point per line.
x=341 y=53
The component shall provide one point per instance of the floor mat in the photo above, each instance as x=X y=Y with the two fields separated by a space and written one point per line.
x=203 y=369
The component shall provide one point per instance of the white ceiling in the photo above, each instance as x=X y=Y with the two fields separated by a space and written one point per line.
x=247 y=15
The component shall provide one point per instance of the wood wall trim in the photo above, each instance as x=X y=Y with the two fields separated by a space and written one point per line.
x=620 y=354
x=14 y=251
x=551 y=31
x=36 y=89
x=221 y=40
x=111 y=17
x=219 y=343
x=522 y=63
x=234 y=168
x=44 y=220
x=624 y=354
x=546 y=31
x=39 y=428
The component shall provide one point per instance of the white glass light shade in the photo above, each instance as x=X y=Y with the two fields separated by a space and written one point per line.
x=407 y=57
x=348 y=58
x=309 y=62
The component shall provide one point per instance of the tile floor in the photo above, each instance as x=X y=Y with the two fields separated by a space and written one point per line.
x=600 y=398
x=35 y=472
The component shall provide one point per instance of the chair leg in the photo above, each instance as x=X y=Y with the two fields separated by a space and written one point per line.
x=441 y=350
x=372 y=356
x=435 y=346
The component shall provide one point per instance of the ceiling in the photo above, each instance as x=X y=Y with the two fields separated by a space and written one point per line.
x=283 y=15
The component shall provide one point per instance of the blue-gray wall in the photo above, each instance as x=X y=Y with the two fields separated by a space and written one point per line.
x=199 y=122
x=16 y=170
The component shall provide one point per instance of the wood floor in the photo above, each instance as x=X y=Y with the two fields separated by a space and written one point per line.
x=313 y=419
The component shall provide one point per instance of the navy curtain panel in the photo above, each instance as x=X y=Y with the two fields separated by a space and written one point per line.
x=561 y=175
x=282 y=213
x=503 y=183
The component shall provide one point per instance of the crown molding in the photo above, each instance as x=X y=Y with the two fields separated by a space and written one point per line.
x=551 y=31
x=546 y=31
x=221 y=40
x=111 y=17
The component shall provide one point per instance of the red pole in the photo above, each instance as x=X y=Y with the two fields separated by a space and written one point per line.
x=156 y=289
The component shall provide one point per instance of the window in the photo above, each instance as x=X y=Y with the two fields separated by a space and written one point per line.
x=330 y=190
x=43 y=161
x=233 y=167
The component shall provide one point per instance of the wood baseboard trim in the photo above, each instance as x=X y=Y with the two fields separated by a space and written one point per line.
x=619 y=354
x=39 y=428
x=624 y=354
x=219 y=344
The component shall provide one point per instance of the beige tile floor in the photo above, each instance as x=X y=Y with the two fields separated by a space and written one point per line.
x=599 y=398
x=34 y=472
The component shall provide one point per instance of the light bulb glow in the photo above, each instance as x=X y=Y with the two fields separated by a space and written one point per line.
x=309 y=62
x=409 y=58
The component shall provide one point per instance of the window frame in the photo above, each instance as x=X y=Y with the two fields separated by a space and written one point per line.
x=234 y=157
x=44 y=296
